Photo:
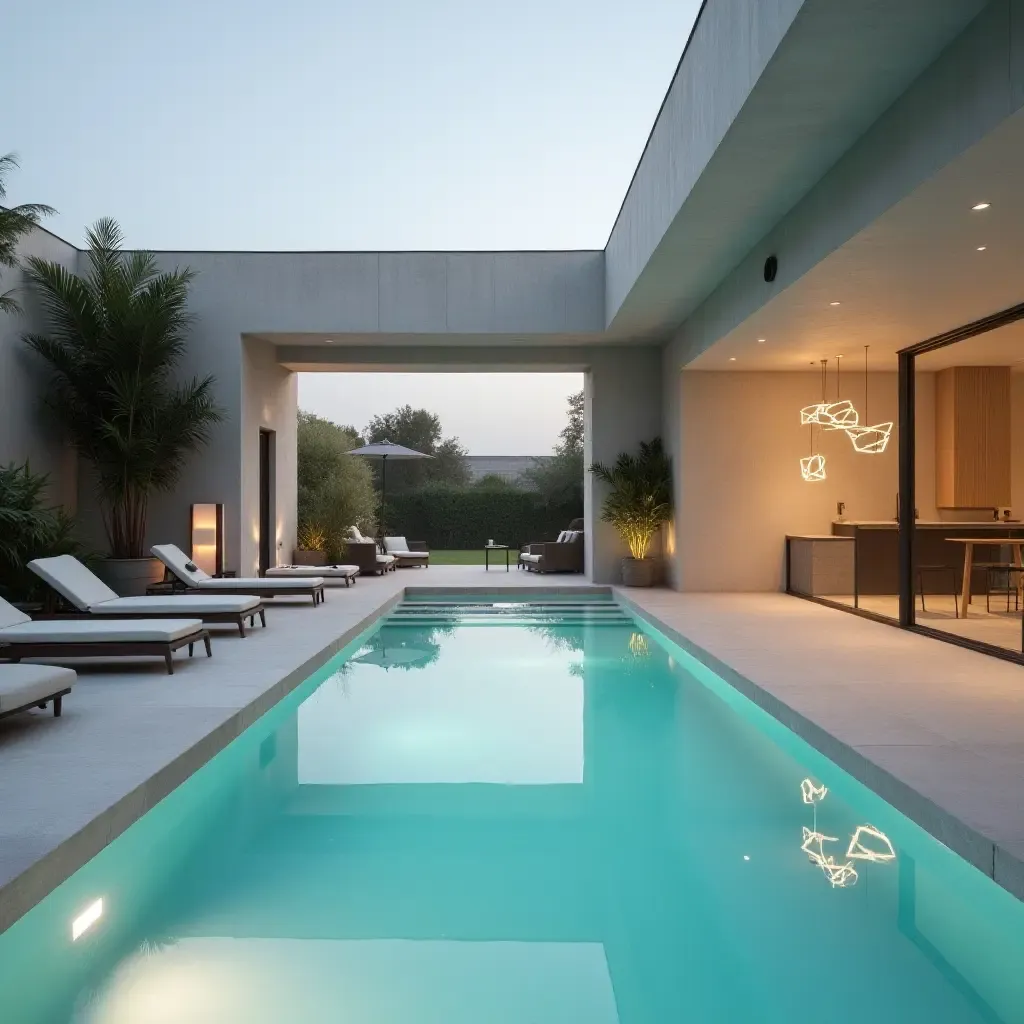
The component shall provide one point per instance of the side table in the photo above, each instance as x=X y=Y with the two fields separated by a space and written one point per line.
x=488 y=548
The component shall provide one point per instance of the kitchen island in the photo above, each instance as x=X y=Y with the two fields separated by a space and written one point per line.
x=876 y=549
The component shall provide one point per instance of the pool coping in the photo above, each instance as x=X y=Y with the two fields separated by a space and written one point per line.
x=990 y=857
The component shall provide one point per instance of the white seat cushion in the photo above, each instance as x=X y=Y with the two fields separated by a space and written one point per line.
x=178 y=604
x=301 y=571
x=385 y=559
x=11 y=616
x=406 y=555
x=527 y=557
x=256 y=584
x=396 y=545
x=80 y=631
x=32 y=684
x=73 y=581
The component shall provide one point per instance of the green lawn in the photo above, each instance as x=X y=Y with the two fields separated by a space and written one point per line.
x=472 y=557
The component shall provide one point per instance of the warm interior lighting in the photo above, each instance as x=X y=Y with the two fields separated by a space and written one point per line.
x=207 y=537
x=86 y=919
x=812 y=468
x=760 y=341
x=638 y=645
x=732 y=359
x=867 y=843
x=982 y=248
x=813 y=414
x=870 y=440
x=839 y=416
x=834 y=303
x=981 y=206
x=811 y=793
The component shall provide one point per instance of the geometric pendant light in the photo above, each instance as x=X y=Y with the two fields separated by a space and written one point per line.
x=869 y=440
x=812 y=467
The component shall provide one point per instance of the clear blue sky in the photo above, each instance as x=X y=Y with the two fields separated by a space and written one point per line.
x=329 y=124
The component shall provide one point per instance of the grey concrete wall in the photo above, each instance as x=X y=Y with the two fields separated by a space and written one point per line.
x=407 y=293
x=767 y=97
x=27 y=430
x=623 y=396
x=976 y=83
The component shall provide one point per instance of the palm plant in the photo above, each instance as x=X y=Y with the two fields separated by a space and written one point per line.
x=115 y=338
x=29 y=528
x=15 y=221
x=640 y=499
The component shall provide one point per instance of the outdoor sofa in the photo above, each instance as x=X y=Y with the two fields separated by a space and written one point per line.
x=33 y=686
x=90 y=596
x=562 y=555
x=191 y=578
x=362 y=551
x=407 y=553
x=22 y=637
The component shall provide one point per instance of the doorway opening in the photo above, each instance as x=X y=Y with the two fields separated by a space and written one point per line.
x=266 y=490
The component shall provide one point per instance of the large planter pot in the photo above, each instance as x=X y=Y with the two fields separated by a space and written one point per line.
x=640 y=572
x=308 y=556
x=129 y=577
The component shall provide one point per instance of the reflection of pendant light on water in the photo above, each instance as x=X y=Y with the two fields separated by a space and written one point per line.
x=812 y=468
x=869 y=440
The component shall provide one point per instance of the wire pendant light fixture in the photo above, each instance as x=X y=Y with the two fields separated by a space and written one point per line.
x=812 y=467
x=869 y=440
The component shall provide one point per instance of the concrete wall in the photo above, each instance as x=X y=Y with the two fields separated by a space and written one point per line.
x=976 y=83
x=622 y=407
x=270 y=402
x=740 y=489
x=27 y=430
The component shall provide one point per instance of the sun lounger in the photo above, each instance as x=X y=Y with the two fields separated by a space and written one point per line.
x=191 y=577
x=407 y=553
x=90 y=595
x=21 y=637
x=33 y=686
x=341 y=573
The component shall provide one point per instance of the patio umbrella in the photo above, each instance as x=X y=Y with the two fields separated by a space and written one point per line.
x=385 y=450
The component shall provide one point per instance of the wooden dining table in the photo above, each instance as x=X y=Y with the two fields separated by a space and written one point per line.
x=969 y=543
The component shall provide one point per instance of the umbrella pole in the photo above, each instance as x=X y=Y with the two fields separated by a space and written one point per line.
x=383 y=497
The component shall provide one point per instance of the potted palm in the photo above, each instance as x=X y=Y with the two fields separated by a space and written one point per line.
x=639 y=502
x=114 y=339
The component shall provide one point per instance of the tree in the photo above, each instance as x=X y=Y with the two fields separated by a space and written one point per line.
x=572 y=432
x=420 y=430
x=335 y=490
x=115 y=339
x=15 y=222
x=559 y=479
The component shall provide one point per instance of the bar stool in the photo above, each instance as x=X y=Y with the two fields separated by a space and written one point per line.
x=954 y=589
x=993 y=569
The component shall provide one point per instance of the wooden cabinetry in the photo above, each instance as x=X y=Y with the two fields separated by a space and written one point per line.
x=972 y=437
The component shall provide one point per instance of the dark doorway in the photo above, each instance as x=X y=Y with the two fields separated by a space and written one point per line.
x=266 y=485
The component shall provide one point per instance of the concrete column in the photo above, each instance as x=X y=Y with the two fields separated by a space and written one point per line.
x=623 y=399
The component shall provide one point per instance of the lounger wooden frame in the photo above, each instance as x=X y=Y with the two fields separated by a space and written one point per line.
x=55 y=697
x=265 y=589
x=106 y=648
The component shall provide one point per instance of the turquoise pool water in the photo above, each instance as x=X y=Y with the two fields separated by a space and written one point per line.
x=519 y=815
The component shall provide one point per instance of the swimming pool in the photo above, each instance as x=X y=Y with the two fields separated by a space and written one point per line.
x=499 y=811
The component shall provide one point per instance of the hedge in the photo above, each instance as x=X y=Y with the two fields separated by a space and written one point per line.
x=460 y=518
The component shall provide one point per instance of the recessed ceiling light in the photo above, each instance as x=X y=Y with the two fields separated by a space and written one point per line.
x=982 y=248
x=760 y=341
x=328 y=341
x=981 y=206
x=732 y=359
x=833 y=303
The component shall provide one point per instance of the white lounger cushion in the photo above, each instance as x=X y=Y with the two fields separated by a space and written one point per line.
x=396 y=545
x=177 y=561
x=73 y=581
x=80 y=631
x=305 y=571
x=257 y=584
x=11 y=616
x=88 y=592
x=178 y=604
x=527 y=557
x=32 y=684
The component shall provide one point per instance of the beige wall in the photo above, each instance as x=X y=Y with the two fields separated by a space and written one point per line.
x=738 y=475
x=270 y=402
